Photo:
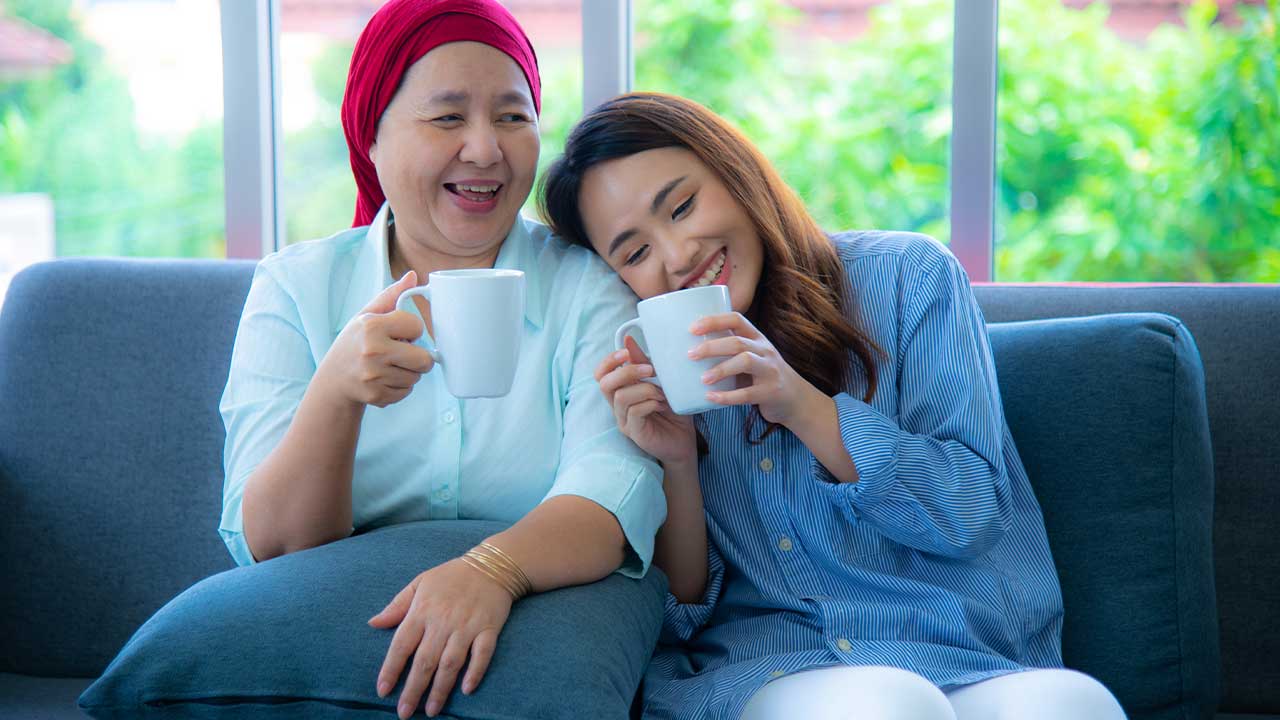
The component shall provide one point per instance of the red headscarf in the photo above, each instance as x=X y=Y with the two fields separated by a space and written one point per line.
x=397 y=36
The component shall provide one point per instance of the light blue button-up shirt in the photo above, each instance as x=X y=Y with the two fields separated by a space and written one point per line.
x=432 y=456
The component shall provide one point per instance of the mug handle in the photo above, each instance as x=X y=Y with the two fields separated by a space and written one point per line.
x=403 y=302
x=621 y=335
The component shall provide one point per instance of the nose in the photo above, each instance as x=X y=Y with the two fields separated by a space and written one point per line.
x=480 y=145
x=680 y=255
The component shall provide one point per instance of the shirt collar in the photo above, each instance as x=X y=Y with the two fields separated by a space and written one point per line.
x=374 y=263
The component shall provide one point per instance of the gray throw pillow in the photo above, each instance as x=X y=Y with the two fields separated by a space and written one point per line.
x=1109 y=416
x=288 y=638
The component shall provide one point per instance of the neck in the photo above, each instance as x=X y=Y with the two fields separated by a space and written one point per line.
x=405 y=255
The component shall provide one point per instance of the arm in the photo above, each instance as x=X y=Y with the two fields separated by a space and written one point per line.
x=567 y=540
x=681 y=546
x=292 y=428
x=933 y=477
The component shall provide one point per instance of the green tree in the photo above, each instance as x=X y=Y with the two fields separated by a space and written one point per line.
x=70 y=133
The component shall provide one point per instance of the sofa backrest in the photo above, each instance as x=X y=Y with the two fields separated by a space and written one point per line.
x=111 y=447
x=110 y=450
x=1237 y=329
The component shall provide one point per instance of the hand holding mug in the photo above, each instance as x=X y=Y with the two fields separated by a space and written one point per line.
x=373 y=361
x=775 y=387
x=641 y=408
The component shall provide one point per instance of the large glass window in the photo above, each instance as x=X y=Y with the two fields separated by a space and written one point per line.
x=1138 y=144
x=316 y=43
x=110 y=130
x=850 y=100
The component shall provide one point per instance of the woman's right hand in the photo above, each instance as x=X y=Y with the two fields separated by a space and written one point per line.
x=374 y=361
x=641 y=408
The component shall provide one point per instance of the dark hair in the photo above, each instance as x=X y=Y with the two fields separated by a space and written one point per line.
x=800 y=303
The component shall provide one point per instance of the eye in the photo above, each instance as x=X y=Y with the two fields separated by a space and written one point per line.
x=636 y=256
x=514 y=118
x=448 y=119
x=684 y=207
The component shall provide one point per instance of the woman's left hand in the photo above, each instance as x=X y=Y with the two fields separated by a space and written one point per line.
x=443 y=614
x=779 y=390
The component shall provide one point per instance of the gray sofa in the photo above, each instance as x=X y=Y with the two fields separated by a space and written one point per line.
x=110 y=473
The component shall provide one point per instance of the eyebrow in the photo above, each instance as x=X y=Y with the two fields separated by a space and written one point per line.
x=460 y=97
x=658 y=199
x=449 y=97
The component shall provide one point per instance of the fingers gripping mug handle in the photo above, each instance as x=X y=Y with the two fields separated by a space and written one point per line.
x=622 y=334
x=404 y=302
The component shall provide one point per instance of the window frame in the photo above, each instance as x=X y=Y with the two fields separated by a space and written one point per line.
x=252 y=135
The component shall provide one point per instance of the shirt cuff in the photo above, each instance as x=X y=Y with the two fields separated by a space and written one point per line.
x=232 y=528
x=631 y=490
x=871 y=439
x=237 y=546
x=681 y=620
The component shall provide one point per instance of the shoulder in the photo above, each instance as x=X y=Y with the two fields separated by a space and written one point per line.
x=312 y=264
x=574 y=272
x=910 y=252
x=890 y=272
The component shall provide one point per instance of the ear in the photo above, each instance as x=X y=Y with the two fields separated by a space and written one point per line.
x=373 y=152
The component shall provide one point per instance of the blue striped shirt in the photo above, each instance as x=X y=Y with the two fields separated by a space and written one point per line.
x=936 y=561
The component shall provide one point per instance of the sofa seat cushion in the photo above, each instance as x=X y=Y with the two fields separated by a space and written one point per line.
x=1108 y=414
x=40 y=698
x=288 y=638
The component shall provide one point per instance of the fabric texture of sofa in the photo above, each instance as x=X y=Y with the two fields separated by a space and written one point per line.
x=1148 y=436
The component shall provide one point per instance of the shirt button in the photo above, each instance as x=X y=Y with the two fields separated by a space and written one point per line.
x=449 y=417
x=785 y=544
x=445 y=494
x=766 y=465
x=777 y=673
x=844 y=645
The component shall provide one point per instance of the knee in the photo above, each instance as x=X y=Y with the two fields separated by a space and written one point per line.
x=1081 y=697
x=886 y=693
x=1058 y=695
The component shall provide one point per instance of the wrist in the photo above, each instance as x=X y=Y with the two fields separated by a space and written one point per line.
x=327 y=392
x=681 y=467
x=813 y=409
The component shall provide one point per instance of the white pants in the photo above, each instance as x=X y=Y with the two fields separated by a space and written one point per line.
x=884 y=693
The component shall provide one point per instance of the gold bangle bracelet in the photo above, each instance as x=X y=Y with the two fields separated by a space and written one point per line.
x=503 y=564
x=510 y=577
x=478 y=562
x=519 y=572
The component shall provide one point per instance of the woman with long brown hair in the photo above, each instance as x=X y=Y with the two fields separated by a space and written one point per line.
x=852 y=533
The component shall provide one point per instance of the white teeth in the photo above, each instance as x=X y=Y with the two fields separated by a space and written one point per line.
x=712 y=273
x=479 y=188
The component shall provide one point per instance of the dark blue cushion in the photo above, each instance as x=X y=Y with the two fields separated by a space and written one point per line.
x=1108 y=414
x=288 y=638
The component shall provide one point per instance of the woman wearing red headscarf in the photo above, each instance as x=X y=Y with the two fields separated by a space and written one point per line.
x=335 y=423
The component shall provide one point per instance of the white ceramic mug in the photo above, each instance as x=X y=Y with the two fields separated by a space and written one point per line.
x=477 y=318
x=664 y=323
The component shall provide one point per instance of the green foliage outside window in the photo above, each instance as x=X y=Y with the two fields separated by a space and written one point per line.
x=71 y=133
x=1116 y=161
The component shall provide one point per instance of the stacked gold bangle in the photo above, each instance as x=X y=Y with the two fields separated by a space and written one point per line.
x=500 y=568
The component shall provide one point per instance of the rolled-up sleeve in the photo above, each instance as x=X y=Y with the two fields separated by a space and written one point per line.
x=271 y=366
x=597 y=461
x=934 y=477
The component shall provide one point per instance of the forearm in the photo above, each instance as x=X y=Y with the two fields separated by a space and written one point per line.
x=567 y=540
x=300 y=496
x=817 y=425
x=681 y=546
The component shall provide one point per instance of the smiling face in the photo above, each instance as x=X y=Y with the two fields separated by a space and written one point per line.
x=456 y=151
x=664 y=221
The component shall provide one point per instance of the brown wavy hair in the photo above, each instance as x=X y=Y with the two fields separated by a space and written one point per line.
x=800 y=303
